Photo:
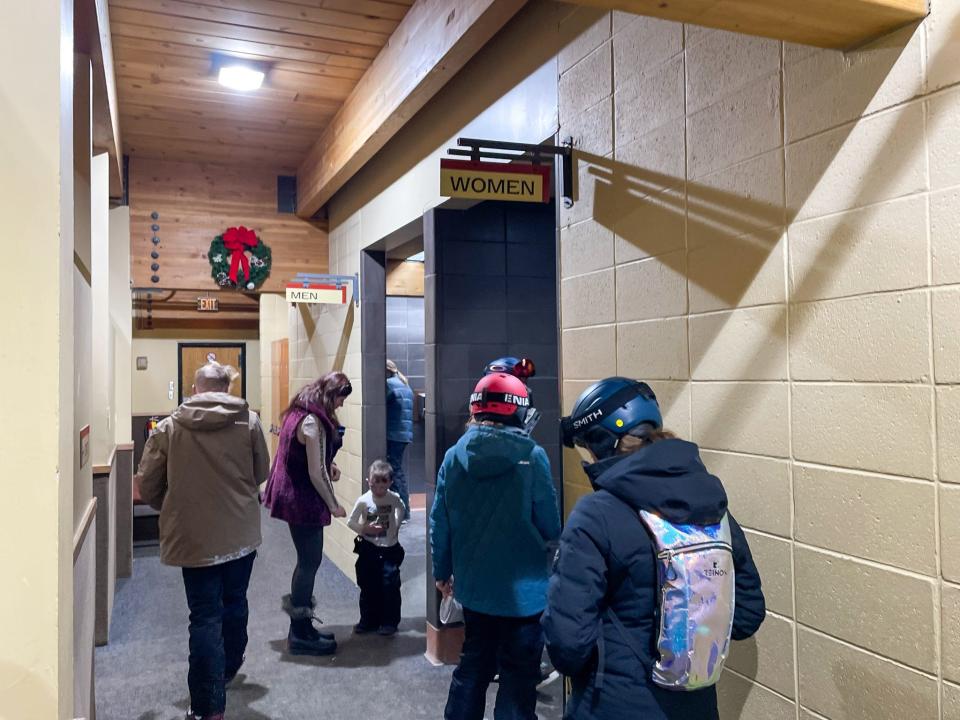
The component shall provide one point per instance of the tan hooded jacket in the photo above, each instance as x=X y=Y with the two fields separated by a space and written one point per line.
x=201 y=470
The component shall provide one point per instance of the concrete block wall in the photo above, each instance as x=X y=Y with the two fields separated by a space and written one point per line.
x=325 y=338
x=768 y=233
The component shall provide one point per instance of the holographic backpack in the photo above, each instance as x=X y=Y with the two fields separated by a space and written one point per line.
x=696 y=577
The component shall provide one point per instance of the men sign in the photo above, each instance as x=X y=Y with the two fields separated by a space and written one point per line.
x=307 y=293
x=494 y=181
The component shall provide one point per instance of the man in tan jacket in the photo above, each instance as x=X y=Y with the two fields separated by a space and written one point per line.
x=201 y=469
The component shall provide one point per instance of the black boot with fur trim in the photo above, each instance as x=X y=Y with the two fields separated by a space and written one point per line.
x=304 y=638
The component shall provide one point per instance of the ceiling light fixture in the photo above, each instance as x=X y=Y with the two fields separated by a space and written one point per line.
x=240 y=77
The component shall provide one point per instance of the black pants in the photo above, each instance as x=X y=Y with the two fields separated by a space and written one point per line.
x=514 y=645
x=378 y=575
x=217 y=598
x=308 y=540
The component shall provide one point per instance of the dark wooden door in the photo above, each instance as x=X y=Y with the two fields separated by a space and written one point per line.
x=195 y=355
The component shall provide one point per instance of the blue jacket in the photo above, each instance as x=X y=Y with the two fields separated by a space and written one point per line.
x=606 y=560
x=494 y=512
x=399 y=411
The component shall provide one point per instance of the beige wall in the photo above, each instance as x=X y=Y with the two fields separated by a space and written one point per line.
x=121 y=321
x=83 y=393
x=149 y=387
x=274 y=325
x=36 y=425
x=768 y=233
x=103 y=389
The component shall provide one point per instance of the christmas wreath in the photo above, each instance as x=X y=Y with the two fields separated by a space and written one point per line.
x=229 y=264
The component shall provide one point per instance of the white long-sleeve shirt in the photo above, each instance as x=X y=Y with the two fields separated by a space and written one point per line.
x=314 y=439
x=386 y=511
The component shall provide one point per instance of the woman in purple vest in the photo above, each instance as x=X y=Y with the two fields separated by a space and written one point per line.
x=300 y=492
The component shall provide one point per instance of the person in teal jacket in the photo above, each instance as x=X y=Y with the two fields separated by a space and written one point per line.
x=494 y=511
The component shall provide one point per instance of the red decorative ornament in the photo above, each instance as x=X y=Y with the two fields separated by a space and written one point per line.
x=238 y=240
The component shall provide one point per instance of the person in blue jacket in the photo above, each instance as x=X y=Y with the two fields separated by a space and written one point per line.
x=601 y=623
x=399 y=429
x=494 y=512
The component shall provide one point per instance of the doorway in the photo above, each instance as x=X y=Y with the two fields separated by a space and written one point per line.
x=489 y=291
x=192 y=356
x=405 y=347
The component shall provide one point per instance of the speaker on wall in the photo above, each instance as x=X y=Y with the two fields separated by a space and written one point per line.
x=286 y=193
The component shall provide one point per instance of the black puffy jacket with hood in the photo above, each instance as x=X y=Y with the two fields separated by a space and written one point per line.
x=607 y=562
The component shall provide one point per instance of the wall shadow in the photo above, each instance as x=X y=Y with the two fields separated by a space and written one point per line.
x=634 y=202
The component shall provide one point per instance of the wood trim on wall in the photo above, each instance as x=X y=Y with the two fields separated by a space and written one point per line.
x=80 y=534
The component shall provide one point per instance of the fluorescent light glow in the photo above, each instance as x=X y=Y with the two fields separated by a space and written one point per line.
x=240 y=77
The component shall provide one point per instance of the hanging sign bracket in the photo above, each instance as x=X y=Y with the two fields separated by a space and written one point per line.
x=479 y=151
x=323 y=288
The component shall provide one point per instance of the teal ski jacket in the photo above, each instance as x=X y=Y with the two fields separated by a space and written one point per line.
x=494 y=512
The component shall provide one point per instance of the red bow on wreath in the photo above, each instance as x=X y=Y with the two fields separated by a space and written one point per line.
x=237 y=240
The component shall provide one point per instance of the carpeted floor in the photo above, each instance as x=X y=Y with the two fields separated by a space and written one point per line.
x=141 y=674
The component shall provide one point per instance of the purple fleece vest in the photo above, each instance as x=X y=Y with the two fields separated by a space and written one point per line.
x=290 y=496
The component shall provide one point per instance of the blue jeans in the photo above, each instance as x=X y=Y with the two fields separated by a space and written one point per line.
x=217 y=598
x=514 y=645
x=395 y=452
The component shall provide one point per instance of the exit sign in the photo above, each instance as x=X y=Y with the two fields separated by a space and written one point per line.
x=208 y=304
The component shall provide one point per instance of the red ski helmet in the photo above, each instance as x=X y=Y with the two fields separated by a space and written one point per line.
x=499 y=394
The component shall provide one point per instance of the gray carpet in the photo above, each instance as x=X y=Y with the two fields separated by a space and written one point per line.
x=141 y=674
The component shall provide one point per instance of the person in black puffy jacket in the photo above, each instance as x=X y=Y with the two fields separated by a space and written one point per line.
x=601 y=623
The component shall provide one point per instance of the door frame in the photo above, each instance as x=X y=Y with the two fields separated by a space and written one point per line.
x=243 y=363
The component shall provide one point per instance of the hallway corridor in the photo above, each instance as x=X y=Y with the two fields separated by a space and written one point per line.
x=141 y=674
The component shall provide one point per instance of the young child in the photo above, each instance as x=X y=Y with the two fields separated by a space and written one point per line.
x=376 y=520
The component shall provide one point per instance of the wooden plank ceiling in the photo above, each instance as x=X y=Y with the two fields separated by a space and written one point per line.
x=173 y=108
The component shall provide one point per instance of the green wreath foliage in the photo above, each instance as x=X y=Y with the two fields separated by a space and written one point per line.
x=259 y=257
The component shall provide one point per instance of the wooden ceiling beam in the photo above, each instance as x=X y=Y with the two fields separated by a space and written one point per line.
x=432 y=43
x=837 y=24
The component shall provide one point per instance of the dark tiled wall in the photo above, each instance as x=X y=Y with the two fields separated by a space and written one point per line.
x=405 y=338
x=490 y=291
x=405 y=333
